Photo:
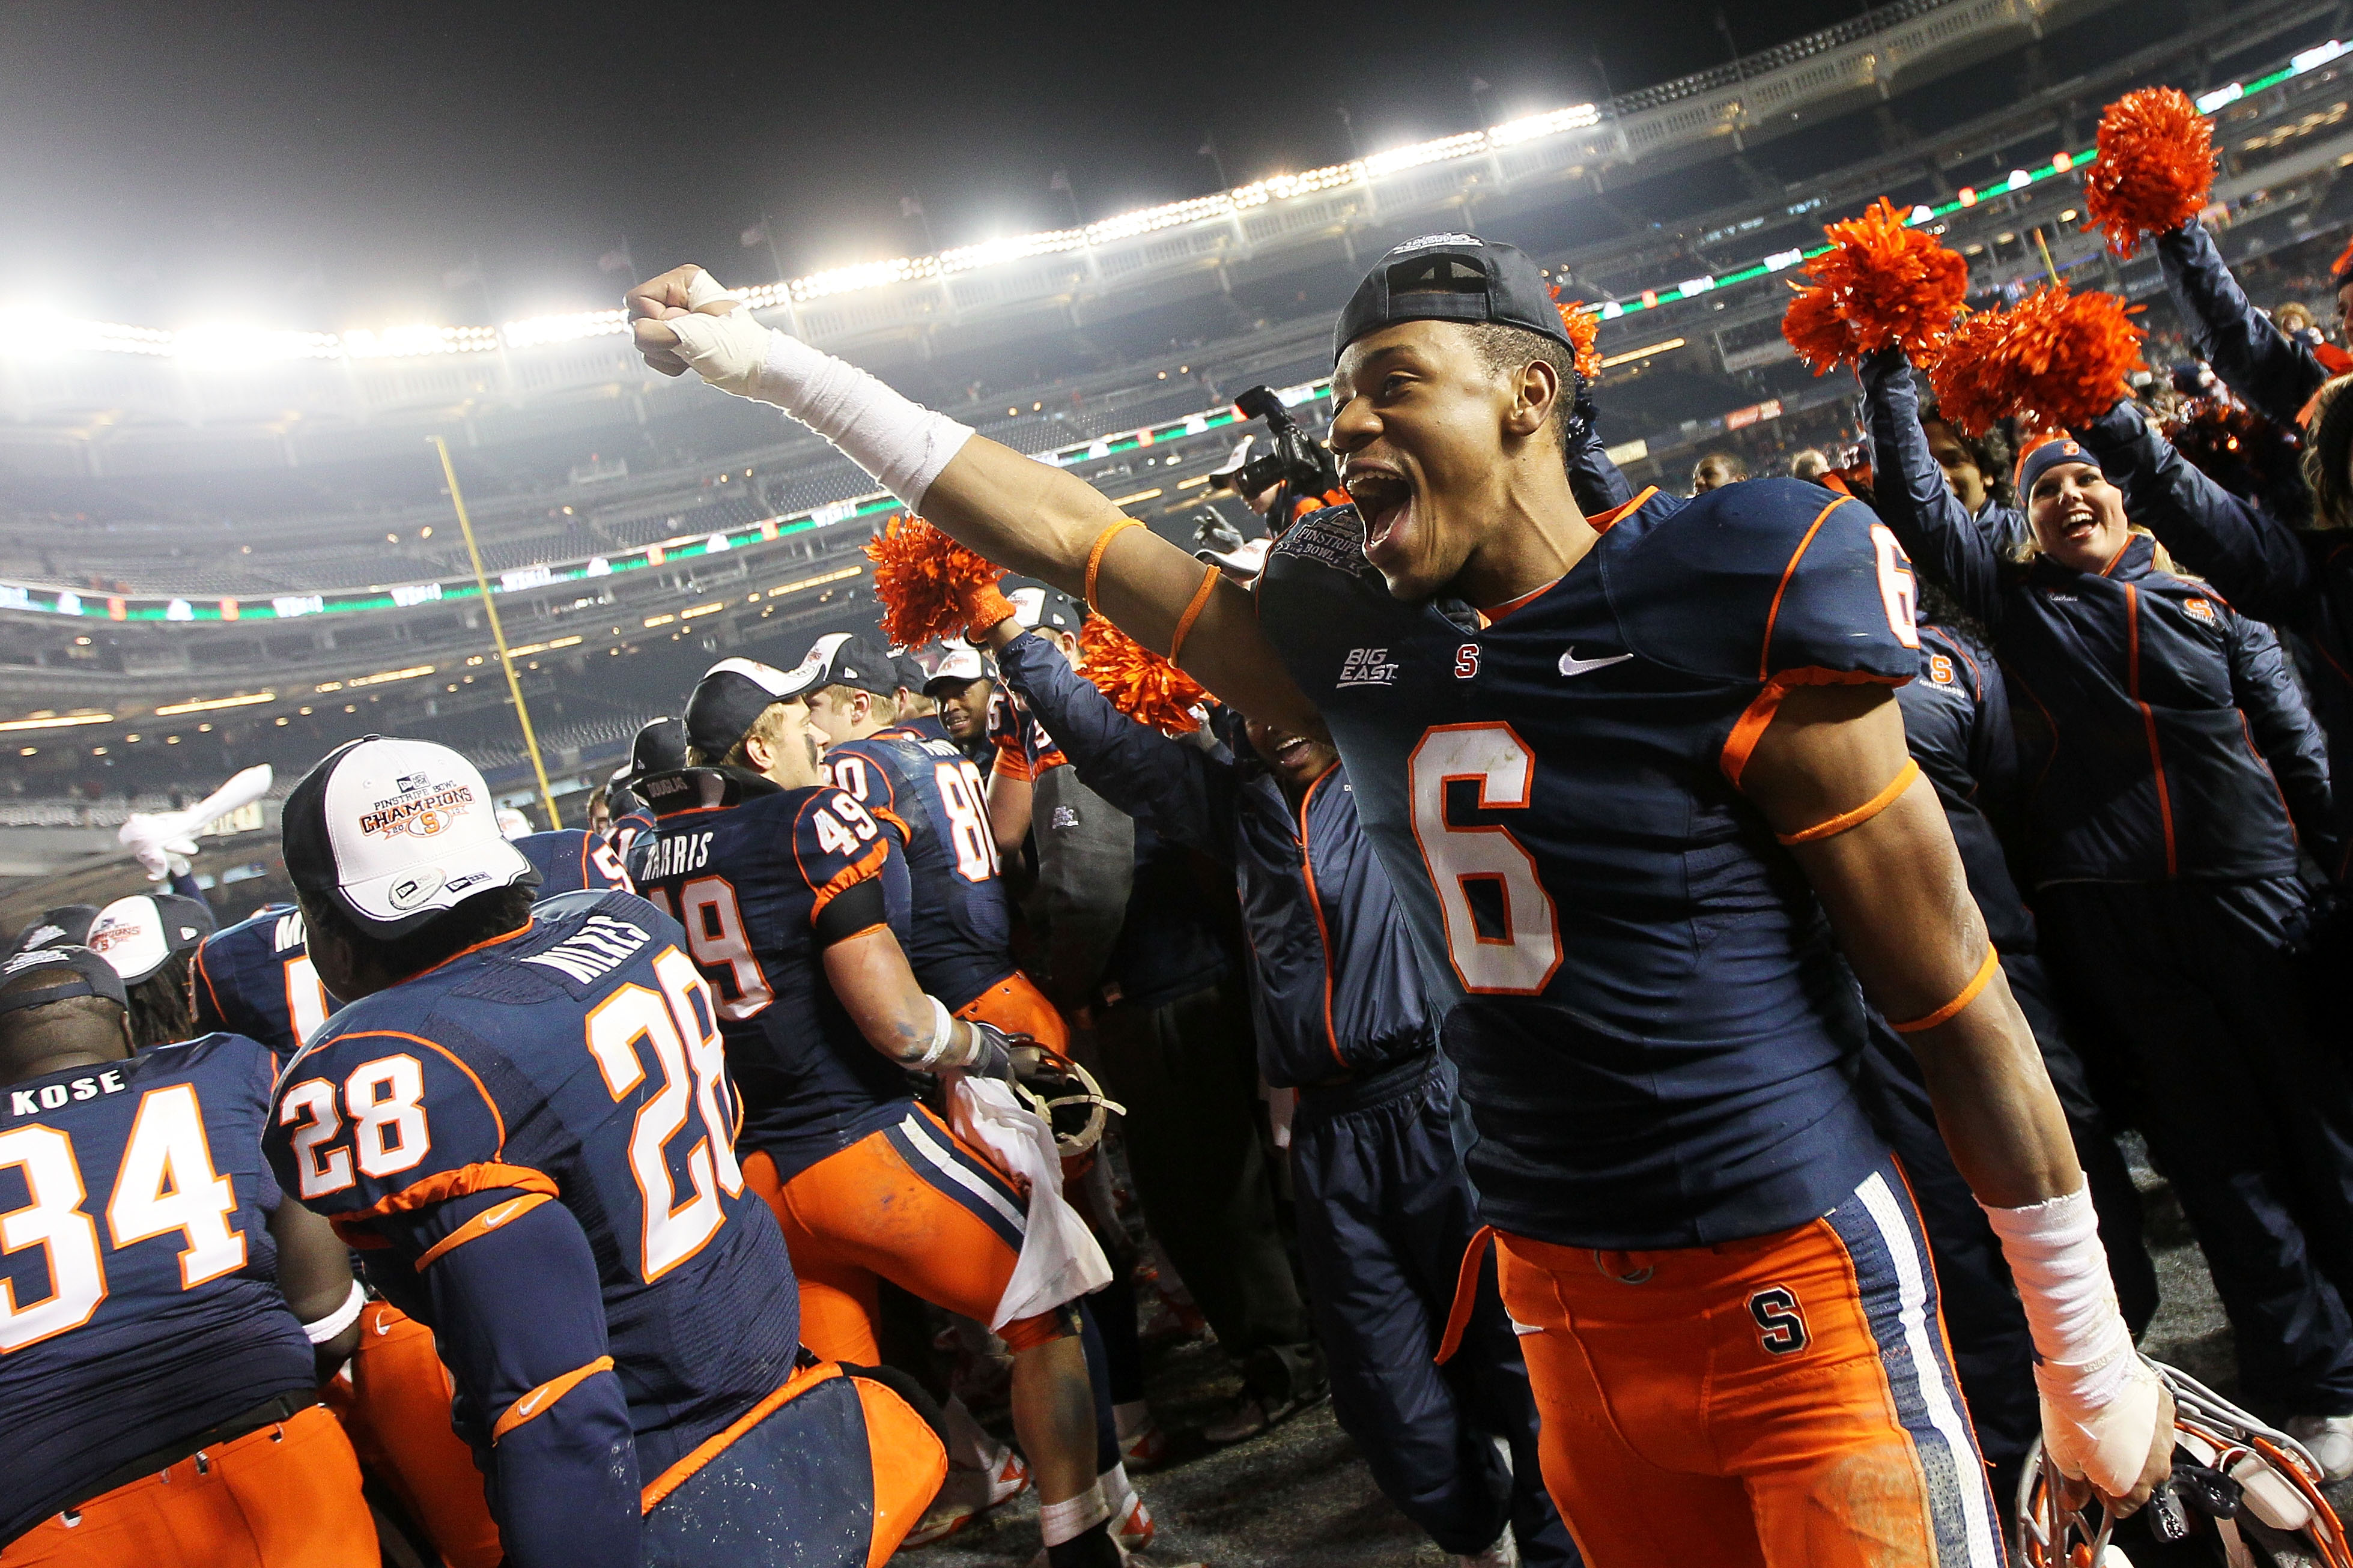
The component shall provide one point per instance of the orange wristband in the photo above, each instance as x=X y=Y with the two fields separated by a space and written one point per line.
x=1192 y=613
x=1950 y=1010
x=1095 y=556
x=989 y=606
x=1860 y=814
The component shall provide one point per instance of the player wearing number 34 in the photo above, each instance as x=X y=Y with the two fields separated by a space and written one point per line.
x=522 y=1121
x=1636 y=779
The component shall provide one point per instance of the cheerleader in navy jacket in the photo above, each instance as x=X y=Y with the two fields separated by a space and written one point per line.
x=2177 y=778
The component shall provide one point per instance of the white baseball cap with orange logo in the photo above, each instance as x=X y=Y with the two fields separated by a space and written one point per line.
x=397 y=832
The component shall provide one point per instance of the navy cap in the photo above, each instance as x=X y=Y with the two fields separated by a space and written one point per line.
x=908 y=671
x=90 y=975
x=1451 y=277
x=2041 y=459
x=660 y=748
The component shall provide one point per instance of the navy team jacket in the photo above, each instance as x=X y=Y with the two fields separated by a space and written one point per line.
x=2177 y=744
x=2299 y=580
x=1339 y=990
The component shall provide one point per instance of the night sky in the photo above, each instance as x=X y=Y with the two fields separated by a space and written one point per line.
x=325 y=165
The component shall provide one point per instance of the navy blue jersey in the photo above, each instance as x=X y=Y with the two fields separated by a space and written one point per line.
x=571 y=861
x=1024 y=749
x=1957 y=725
x=625 y=830
x=960 y=928
x=255 y=979
x=749 y=868
x=138 y=1295
x=577 y=1058
x=926 y=727
x=1654 y=1028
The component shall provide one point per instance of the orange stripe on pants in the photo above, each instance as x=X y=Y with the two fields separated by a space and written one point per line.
x=1733 y=1406
x=287 y=1496
x=395 y=1410
x=1016 y=1005
x=865 y=1213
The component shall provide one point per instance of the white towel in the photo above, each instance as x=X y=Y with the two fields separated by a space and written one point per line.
x=1060 y=1259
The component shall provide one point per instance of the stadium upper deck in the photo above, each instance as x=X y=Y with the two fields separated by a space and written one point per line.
x=629 y=525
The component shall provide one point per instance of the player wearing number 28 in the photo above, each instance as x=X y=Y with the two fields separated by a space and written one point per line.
x=1636 y=779
x=523 y=1121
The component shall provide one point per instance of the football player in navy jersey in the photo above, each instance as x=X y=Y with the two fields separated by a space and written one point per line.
x=570 y=860
x=522 y=1120
x=962 y=690
x=165 y=1315
x=1629 y=775
x=794 y=898
x=933 y=802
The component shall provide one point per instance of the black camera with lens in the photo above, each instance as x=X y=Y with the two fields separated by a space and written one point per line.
x=1298 y=462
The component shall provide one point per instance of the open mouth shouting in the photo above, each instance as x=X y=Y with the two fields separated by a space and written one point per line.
x=1385 y=499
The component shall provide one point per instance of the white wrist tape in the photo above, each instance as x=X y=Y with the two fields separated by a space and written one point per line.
x=336 y=1322
x=943 y=1031
x=2099 y=1398
x=903 y=444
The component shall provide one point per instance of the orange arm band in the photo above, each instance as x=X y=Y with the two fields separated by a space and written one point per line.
x=541 y=1400
x=1950 y=1010
x=1192 y=613
x=1860 y=814
x=1095 y=556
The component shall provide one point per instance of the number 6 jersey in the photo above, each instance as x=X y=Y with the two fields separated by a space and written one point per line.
x=1652 y=1025
x=576 y=1059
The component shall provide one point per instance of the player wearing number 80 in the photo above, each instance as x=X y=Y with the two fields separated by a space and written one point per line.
x=522 y=1121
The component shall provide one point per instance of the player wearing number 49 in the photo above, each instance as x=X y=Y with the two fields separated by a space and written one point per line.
x=794 y=899
x=522 y=1120
x=1635 y=778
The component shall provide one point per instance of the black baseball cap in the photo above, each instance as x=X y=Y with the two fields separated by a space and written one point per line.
x=93 y=976
x=660 y=747
x=845 y=658
x=64 y=926
x=138 y=936
x=1451 y=277
x=1042 y=606
x=396 y=833
x=729 y=700
x=908 y=671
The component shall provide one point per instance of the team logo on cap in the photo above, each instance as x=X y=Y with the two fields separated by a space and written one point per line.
x=106 y=938
x=1427 y=240
x=419 y=815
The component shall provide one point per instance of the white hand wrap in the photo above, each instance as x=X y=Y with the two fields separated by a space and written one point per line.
x=903 y=444
x=943 y=1031
x=2099 y=1398
x=324 y=1329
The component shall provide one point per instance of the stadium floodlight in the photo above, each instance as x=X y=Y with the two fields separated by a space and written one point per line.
x=1529 y=127
x=209 y=704
x=55 y=721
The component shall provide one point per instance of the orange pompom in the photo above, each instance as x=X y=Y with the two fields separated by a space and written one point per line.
x=1889 y=283
x=923 y=576
x=2344 y=260
x=2155 y=165
x=2057 y=358
x=1823 y=338
x=1584 y=328
x=1139 y=682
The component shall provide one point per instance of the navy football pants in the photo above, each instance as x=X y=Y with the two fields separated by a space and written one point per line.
x=2248 y=1114
x=1385 y=1214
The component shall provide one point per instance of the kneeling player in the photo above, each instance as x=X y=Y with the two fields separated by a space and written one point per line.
x=780 y=882
x=159 y=1375
x=523 y=1121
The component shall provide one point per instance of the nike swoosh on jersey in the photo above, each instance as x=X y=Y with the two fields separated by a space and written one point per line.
x=1572 y=664
x=499 y=1215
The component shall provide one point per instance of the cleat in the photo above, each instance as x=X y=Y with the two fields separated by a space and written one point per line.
x=966 y=1495
x=1133 y=1529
